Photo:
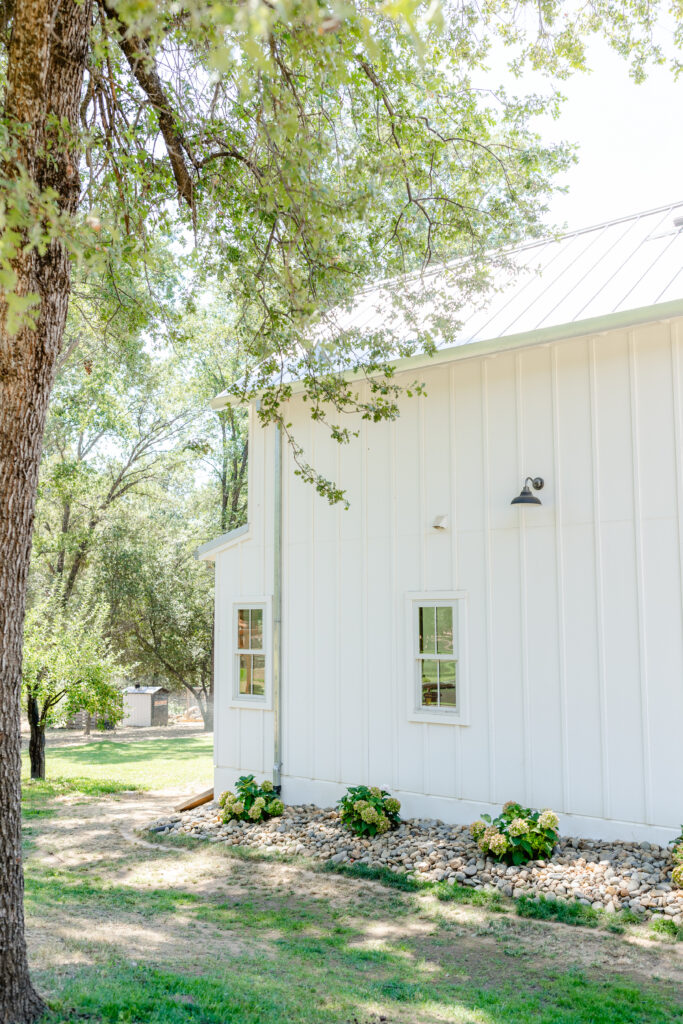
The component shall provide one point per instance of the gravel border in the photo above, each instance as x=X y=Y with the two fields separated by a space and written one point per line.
x=610 y=876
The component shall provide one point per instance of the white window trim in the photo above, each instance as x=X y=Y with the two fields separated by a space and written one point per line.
x=442 y=716
x=243 y=700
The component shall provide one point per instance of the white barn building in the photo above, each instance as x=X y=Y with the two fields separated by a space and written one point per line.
x=446 y=644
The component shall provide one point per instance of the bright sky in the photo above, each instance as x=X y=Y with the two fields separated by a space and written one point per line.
x=630 y=137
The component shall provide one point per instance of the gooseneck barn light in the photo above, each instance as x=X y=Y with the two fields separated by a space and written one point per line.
x=525 y=497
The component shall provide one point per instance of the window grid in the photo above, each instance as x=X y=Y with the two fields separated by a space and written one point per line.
x=436 y=656
x=250 y=654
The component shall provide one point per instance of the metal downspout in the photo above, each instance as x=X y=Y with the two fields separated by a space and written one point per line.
x=277 y=608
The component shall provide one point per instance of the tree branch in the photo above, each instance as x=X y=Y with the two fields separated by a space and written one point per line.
x=143 y=67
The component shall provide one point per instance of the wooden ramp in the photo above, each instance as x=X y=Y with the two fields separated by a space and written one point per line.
x=195 y=801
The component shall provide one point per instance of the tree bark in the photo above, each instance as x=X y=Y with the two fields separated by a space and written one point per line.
x=207 y=715
x=46 y=61
x=36 y=745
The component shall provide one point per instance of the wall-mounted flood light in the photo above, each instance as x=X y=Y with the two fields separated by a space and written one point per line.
x=440 y=523
x=525 y=497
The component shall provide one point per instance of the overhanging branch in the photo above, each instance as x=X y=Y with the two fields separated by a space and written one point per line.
x=143 y=67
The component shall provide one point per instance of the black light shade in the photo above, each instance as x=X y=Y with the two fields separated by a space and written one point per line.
x=525 y=497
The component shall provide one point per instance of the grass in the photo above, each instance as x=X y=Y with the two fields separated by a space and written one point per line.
x=36 y=792
x=305 y=961
x=444 y=891
x=393 y=879
x=339 y=988
x=143 y=764
x=292 y=948
x=665 y=928
x=571 y=912
x=143 y=994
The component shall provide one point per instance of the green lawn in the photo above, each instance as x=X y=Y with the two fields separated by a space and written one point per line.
x=306 y=962
x=176 y=762
x=196 y=933
x=326 y=986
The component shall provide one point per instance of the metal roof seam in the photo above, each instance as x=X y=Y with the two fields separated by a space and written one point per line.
x=621 y=266
x=647 y=271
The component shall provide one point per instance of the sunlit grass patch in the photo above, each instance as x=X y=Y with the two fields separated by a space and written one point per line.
x=162 y=763
x=665 y=928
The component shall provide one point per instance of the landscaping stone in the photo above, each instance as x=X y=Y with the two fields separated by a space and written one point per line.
x=613 y=876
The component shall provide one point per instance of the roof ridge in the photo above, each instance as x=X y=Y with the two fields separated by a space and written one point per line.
x=510 y=250
x=601 y=226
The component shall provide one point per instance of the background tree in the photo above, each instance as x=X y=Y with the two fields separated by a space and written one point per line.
x=128 y=488
x=207 y=345
x=160 y=596
x=68 y=667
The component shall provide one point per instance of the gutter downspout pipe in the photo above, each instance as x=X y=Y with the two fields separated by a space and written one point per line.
x=277 y=609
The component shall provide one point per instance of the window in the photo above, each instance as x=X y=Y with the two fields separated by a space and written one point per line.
x=250 y=655
x=437 y=662
x=438 y=683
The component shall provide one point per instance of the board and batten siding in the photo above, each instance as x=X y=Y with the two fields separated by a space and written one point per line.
x=574 y=607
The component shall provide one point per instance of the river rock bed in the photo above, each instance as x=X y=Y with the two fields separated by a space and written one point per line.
x=611 y=876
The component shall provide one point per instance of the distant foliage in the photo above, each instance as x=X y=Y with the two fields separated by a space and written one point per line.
x=252 y=802
x=677 y=873
x=369 y=810
x=68 y=664
x=517 y=835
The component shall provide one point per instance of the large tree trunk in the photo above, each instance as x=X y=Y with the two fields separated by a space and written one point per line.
x=47 y=55
x=36 y=744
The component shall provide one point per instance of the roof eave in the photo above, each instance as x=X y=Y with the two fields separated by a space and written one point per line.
x=207 y=552
x=541 y=336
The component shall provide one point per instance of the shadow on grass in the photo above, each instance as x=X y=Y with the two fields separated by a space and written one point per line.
x=305 y=961
x=262 y=991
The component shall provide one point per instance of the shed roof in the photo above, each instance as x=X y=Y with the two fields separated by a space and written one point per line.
x=621 y=272
x=145 y=689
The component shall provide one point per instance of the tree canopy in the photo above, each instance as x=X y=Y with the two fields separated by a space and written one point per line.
x=69 y=667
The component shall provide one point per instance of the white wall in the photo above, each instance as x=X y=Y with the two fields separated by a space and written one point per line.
x=137 y=708
x=574 y=607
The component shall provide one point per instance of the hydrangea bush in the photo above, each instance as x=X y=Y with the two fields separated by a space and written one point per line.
x=369 y=810
x=517 y=835
x=677 y=873
x=252 y=802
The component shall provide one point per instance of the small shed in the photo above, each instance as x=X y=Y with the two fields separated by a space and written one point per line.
x=145 y=705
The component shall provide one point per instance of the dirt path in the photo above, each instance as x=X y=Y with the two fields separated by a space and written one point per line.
x=117 y=908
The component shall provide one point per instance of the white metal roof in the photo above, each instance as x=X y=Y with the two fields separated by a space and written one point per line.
x=618 y=273
x=626 y=264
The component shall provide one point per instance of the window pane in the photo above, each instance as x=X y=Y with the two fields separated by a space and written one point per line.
x=429 y=680
x=427 y=631
x=257 y=629
x=258 y=682
x=245 y=673
x=243 y=629
x=447 y=683
x=444 y=630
